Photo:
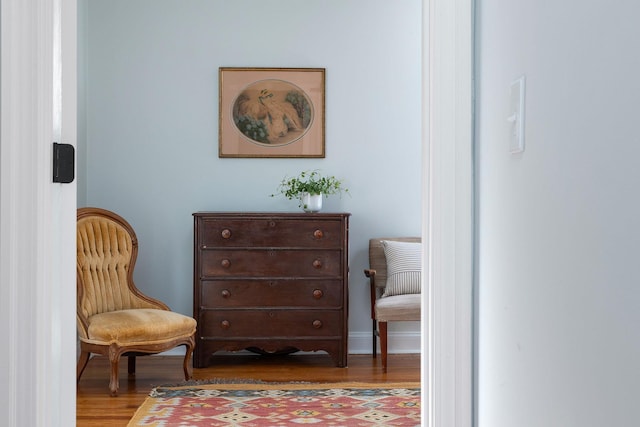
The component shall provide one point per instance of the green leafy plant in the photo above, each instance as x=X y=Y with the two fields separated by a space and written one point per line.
x=311 y=182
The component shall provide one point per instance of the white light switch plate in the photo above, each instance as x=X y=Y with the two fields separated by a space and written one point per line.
x=516 y=116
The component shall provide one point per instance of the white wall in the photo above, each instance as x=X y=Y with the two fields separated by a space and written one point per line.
x=149 y=123
x=558 y=283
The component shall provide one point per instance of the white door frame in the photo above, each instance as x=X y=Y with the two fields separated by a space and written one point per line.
x=448 y=213
x=37 y=216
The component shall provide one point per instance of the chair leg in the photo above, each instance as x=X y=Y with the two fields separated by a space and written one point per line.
x=114 y=359
x=382 y=326
x=82 y=363
x=186 y=366
x=374 y=351
x=131 y=368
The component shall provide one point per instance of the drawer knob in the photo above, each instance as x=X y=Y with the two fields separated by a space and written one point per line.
x=317 y=324
x=318 y=234
x=317 y=263
x=225 y=293
x=226 y=233
x=317 y=293
x=225 y=263
x=272 y=224
x=225 y=324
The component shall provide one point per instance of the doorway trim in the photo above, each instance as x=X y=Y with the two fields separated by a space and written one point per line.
x=447 y=323
x=37 y=216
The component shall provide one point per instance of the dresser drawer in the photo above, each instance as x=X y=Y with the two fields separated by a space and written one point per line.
x=270 y=263
x=272 y=293
x=271 y=232
x=269 y=323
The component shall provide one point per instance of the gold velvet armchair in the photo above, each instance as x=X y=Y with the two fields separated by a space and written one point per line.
x=395 y=279
x=114 y=318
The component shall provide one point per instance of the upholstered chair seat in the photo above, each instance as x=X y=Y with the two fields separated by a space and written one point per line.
x=114 y=318
x=138 y=326
x=398 y=308
x=395 y=276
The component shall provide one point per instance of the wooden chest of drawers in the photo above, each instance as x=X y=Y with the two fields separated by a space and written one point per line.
x=270 y=281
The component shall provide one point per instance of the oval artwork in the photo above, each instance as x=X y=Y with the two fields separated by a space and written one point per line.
x=272 y=112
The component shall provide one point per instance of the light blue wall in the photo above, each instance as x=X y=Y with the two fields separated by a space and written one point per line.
x=149 y=121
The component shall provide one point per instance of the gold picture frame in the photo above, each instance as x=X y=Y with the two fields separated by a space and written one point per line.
x=271 y=112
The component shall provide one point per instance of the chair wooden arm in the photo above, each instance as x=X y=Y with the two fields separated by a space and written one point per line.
x=371 y=274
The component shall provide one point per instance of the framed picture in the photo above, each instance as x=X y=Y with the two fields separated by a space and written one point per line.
x=271 y=112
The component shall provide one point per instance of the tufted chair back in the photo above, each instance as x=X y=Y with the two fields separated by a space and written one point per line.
x=107 y=248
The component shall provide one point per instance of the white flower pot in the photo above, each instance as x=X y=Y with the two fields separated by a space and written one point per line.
x=311 y=202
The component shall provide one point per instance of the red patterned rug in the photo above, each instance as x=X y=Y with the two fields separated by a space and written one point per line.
x=279 y=405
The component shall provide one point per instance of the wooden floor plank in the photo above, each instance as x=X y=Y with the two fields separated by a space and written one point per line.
x=94 y=406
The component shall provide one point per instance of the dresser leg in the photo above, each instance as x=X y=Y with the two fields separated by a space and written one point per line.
x=200 y=359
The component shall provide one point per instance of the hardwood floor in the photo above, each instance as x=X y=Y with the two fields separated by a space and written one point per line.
x=96 y=408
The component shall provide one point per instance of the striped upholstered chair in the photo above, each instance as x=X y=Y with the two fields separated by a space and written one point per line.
x=395 y=278
x=114 y=318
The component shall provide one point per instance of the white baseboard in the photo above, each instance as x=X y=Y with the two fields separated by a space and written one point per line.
x=359 y=343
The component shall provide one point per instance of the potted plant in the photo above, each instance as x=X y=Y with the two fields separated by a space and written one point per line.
x=309 y=188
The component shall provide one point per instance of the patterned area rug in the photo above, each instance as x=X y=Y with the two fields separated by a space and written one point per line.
x=279 y=405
